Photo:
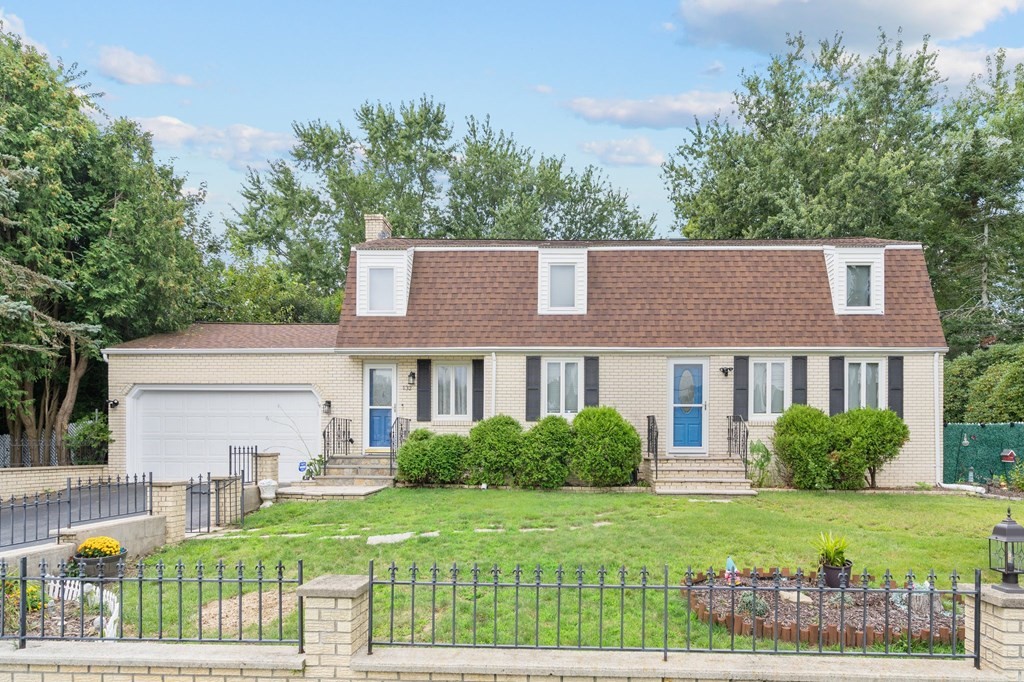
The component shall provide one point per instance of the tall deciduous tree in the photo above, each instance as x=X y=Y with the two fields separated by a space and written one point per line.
x=98 y=240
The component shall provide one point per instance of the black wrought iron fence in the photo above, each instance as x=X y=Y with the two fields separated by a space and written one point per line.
x=399 y=433
x=212 y=502
x=39 y=517
x=153 y=602
x=739 y=439
x=652 y=441
x=337 y=437
x=618 y=609
x=242 y=462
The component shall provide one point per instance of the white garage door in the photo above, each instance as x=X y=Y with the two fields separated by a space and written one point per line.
x=180 y=434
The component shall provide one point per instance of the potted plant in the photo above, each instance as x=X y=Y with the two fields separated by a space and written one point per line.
x=832 y=559
x=99 y=551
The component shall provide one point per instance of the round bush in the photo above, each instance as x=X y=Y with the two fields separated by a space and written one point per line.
x=605 y=449
x=446 y=457
x=494 y=446
x=804 y=443
x=543 y=458
x=870 y=438
x=414 y=457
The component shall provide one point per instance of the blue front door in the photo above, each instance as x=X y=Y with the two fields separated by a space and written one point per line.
x=688 y=405
x=380 y=404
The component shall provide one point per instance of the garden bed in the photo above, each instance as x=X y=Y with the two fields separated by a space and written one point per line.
x=802 y=610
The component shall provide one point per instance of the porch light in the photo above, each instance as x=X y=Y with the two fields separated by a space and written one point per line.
x=112 y=403
x=725 y=371
x=412 y=378
x=1005 y=545
x=326 y=407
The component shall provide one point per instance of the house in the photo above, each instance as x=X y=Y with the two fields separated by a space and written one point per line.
x=701 y=336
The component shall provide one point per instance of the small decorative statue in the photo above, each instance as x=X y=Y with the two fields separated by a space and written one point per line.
x=730 y=569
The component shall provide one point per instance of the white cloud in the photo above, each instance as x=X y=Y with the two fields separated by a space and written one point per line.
x=130 y=68
x=12 y=23
x=543 y=89
x=663 y=111
x=763 y=24
x=238 y=144
x=633 y=151
x=958 y=64
x=715 y=68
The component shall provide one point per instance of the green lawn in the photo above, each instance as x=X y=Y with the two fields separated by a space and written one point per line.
x=899 y=532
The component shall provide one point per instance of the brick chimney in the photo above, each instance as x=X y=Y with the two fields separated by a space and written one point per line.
x=377 y=226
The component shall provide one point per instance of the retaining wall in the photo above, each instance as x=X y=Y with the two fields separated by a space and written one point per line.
x=30 y=480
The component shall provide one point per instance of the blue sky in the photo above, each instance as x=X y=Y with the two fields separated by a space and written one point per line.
x=218 y=83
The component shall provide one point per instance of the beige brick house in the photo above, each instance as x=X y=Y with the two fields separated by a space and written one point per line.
x=700 y=336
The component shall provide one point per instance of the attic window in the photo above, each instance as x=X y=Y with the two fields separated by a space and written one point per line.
x=858 y=286
x=563 y=286
x=382 y=290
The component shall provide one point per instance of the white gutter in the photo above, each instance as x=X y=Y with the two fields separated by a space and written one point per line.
x=494 y=382
x=710 y=350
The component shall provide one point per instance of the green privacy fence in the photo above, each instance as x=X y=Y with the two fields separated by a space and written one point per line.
x=979 y=446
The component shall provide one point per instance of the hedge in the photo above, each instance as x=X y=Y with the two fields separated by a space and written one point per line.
x=606 y=449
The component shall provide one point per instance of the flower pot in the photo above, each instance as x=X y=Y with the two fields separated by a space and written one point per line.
x=89 y=567
x=833 y=574
x=268 y=492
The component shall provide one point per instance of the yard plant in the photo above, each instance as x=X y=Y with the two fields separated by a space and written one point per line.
x=606 y=449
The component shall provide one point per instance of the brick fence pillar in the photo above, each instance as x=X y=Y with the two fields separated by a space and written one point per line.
x=337 y=618
x=1002 y=631
x=169 y=502
x=268 y=466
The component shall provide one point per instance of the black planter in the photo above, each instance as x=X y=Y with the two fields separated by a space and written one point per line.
x=89 y=567
x=833 y=574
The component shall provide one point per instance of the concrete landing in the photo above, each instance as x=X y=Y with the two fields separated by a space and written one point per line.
x=316 y=491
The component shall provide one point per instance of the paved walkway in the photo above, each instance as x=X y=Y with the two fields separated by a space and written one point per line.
x=312 y=491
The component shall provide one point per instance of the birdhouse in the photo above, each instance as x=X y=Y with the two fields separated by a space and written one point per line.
x=1008 y=456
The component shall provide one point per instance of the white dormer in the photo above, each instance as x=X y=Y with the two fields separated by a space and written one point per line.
x=856 y=277
x=383 y=279
x=562 y=281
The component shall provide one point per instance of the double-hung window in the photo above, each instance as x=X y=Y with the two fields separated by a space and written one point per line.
x=451 y=388
x=858 y=286
x=562 y=292
x=562 y=380
x=767 y=388
x=863 y=379
x=381 y=296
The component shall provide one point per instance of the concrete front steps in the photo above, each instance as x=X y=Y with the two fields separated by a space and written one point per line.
x=714 y=475
x=368 y=469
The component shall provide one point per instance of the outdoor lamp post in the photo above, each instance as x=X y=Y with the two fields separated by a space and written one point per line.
x=1006 y=552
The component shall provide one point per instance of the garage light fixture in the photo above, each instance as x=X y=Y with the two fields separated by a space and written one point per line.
x=412 y=378
x=112 y=403
x=326 y=407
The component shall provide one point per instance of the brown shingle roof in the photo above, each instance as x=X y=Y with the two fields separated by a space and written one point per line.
x=677 y=298
x=209 y=335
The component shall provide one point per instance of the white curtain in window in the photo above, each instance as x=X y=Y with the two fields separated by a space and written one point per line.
x=871 y=384
x=554 y=387
x=760 y=387
x=461 y=390
x=382 y=289
x=563 y=286
x=853 y=387
x=572 y=387
x=778 y=387
x=444 y=390
x=858 y=285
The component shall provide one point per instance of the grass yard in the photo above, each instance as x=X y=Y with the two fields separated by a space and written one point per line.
x=898 y=532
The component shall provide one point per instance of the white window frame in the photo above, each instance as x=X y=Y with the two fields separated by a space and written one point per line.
x=561 y=386
x=871 y=289
x=883 y=382
x=551 y=290
x=836 y=261
x=787 y=391
x=369 y=293
x=548 y=257
x=435 y=379
x=400 y=263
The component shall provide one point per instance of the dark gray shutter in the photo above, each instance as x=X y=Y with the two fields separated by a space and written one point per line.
x=836 y=384
x=532 y=388
x=591 y=382
x=740 y=386
x=799 y=392
x=423 y=390
x=896 y=384
x=478 y=390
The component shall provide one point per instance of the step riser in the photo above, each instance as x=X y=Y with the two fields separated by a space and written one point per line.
x=358 y=471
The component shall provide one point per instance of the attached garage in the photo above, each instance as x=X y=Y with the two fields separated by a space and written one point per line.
x=179 y=432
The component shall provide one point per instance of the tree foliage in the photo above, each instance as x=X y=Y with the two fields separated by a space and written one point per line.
x=99 y=242
x=827 y=143
x=979 y=386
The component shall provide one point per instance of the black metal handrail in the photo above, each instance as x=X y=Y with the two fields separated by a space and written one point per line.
x=652 y=441
x=337 y=437
x=151 y=602
x=242 y=459
x=40 y=517
x=769 y=612
x=399 y=432
x=739 y=437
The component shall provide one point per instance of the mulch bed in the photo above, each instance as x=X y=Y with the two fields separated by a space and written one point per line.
x=839 y=622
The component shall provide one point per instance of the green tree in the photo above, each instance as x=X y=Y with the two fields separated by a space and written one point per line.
x=99 y=240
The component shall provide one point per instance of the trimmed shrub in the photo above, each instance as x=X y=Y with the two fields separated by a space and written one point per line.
x=414 y=457
x=804 y=442
x=543 y=458
x=871 y=438
x=606 y=449
x=447 y=458
x=494 y=446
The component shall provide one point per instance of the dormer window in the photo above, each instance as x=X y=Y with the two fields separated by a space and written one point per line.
x=563 y=286
x=858 y=286
x=382 y=290
x=562 y=281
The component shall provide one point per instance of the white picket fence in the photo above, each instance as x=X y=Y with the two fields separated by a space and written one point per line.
x=71 y=589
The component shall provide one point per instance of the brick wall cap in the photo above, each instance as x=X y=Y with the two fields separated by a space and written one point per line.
x=337 y=586
x=1005 y=600
x=156 y=655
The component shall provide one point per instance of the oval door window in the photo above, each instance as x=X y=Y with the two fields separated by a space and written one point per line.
x=686 y=389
